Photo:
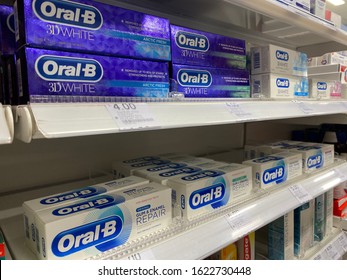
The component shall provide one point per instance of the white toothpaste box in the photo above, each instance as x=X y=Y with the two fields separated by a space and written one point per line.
x=274 y=169
x=162 y=177
x=281 y=238
x=204 y=191
x=275 y=59
x=314 y=155
x=303 y=228
x=271 y=148
x=282 y=86
x=325 y=89
x=92 y=226
x=317 y=7
x=328 y=208
x=332 y=58
x=31 y=207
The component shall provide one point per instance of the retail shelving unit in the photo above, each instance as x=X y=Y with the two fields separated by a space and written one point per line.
x=6 y=125
x=59 y=124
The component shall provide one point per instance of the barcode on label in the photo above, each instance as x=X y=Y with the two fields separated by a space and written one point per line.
x=256 y=60
x=138 y=120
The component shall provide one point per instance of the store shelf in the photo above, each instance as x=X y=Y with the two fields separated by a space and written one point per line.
x=332 y=247
x=56 y=120
x=340 y=223
x=6 y=125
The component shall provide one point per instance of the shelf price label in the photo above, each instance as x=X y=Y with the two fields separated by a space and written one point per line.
x=342 y=175
x=343 y=241
x=332 y=252
x=304 y=107
x=144 y=255
x=238 y=111
x=132 y=116
x=300 y=193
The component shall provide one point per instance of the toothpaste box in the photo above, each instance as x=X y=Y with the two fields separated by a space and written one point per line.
x=47 y=73
x=2 y=247
x=281 y=238
x=332 y=58
x=229 y=252
x=246 y=247
x=278 y=60
x=311 y=62
x=319 y=218
x=303 y=228
x=274 y=169
x=201 y=192
x=31 y=207
x=92 y=226
x=90 y=26
x=324 y=89
x=9 y=79
x=328 y=209
x=317 y=7
x=185 y=162
x=271 y=148
x=7 y=30
x=162 y=177
x=197 y=81
x=194 y=47
x=314 y=155
x=279 y=86
x=302 y=4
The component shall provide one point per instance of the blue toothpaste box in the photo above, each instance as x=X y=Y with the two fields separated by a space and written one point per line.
x=194 y=47
x=88 y=26
x=46 y=73
x=7 y=29
x=197 y=81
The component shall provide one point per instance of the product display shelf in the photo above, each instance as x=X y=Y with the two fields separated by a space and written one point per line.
x=199 y=238
x=6 y=124
x=56 y=120
x=332 y=247
x=288 y=22
x=340 y=223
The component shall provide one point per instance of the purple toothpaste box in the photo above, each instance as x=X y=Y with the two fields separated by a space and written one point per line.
x=197 y=82
x=193 y=47
x=43 y=74
x=91 y=27
x=7 y=30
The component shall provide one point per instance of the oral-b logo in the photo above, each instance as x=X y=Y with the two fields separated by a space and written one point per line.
x=206 y=196
x=166 y=166
x=185 y=170
x=192 y=41
x=99 y=202
x=282 y=83
x=322 y=86
x=314 y=161
x=273 y=174
x=68 y=69
x=85 y=236
x=194 y=78
x=68 y=13
x=10 y=22
x=202 y=174
x=282 y=55
x=80 y=193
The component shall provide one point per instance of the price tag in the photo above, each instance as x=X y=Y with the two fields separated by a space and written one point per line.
x=318 y=257
x=300 y=193
x=235 y=221
x=343 y=241
x=307 y=109
x=131 y=116
x=144 y=255
x=332 y=252
x=239 y=111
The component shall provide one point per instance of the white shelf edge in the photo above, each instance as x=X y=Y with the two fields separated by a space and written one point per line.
x=217 y=233
x=6 y=125
x=56 y=120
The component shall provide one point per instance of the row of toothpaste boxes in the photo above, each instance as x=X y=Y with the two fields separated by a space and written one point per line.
x=86 y=48
x=151 y=193
x=81 y=50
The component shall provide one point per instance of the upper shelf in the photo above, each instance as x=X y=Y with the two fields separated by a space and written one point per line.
x=6 y=125
x=56 y=120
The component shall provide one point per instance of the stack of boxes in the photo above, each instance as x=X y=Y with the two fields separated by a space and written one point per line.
x=207 y=65
x=278 y=73
x=85 y=48
x=327 y=75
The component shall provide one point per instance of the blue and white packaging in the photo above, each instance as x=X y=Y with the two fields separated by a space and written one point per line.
x=314 y=155
x=275 y=169
x=31 y=207
x=281 y=238
x=303 y=228
x=92 y=226
x=328 y=209
x=317 y=7
x=7 y=32
x=325 y=89
x=301 y=4
x=278 y=60
x=279 y=86
x=319 y=218
x=271 y=148
x=207 y=190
